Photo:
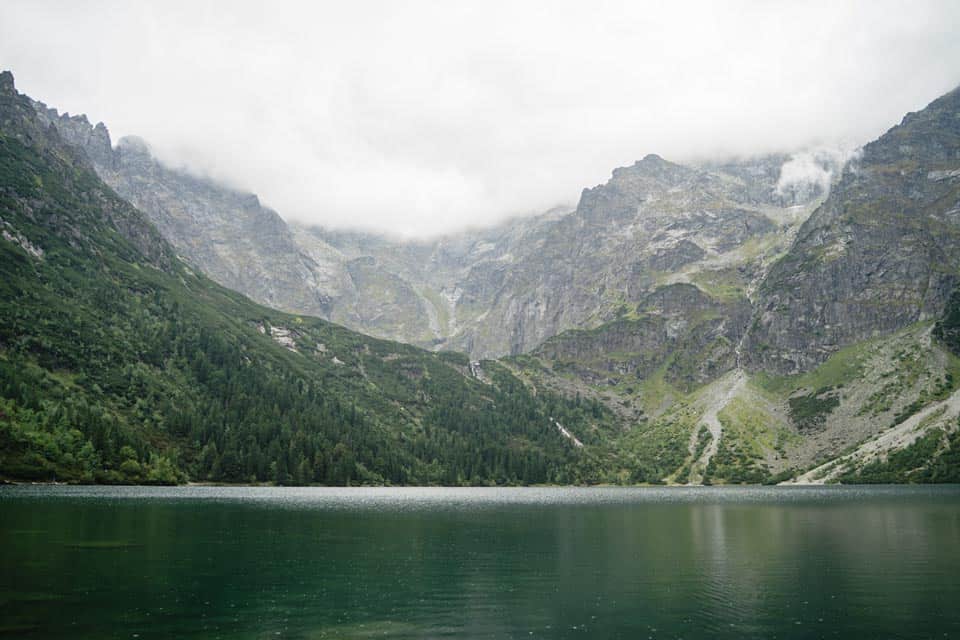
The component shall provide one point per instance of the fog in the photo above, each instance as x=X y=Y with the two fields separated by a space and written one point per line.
x=420 y=118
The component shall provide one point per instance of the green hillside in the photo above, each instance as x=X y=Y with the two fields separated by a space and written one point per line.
x=120 y=364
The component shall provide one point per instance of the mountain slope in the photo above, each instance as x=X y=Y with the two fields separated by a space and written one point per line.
x=225 y=233
x=656 y=222
x=700 y=329
x=881 y=253
x=836 y=363
x=118 y=363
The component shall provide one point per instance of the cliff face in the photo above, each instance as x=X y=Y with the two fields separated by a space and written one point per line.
x=679 y=329
x=653 y=223
x=881 y=253
x=20 y=123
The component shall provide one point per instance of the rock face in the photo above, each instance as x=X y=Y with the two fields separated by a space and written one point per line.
x=506 y=290
x=677 y=325
x=21 y=123
x=880 y=254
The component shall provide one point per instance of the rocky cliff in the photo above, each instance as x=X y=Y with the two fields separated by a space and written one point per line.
x=837 y=363
x=505 y=290
x=880 y=254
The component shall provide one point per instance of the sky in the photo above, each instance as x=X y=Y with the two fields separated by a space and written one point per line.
x=421 y=118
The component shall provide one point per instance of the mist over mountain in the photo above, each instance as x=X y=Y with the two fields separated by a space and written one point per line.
x=427 y=119
x=489 y=292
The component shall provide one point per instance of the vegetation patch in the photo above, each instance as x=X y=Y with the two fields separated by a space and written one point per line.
x=934 y=457
x=809 y=412
x=750 y=434
x=656 y=449
x=724 y=285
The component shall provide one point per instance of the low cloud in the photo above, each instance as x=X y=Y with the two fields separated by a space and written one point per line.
x=420 y=118
x=811 y=172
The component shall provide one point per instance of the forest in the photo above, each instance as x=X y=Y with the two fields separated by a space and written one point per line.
x=119 y=364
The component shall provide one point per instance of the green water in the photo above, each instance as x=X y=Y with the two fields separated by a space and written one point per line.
x=839 y=562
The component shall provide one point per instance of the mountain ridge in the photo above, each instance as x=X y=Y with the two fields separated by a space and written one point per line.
x=454 y=292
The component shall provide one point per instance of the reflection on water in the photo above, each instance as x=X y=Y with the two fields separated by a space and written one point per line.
x=211 y=562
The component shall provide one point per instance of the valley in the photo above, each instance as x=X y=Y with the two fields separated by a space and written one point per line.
x=711 y=322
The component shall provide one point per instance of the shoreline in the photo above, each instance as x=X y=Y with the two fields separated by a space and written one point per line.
x=6 y=482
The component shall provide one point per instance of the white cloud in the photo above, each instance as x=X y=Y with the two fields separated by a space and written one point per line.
x=423 y=117
x=813 y=169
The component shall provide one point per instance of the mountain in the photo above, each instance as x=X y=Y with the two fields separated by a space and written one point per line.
x=505 y=290
x=882 y=253
x=773 y=319
x=225 y=233
x=121 y=363
x=838 y=363
x=490 y=292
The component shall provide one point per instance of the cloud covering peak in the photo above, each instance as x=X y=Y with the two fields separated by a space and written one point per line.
x=425 y=117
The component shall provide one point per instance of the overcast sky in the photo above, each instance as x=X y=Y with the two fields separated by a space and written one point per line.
x=418 y=118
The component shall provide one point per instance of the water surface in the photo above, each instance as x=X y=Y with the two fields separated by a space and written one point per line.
x=211 y=562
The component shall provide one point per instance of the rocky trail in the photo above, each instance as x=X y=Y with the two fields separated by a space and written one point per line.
x=718 y=397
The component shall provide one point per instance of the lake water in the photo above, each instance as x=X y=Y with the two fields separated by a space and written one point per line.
x=210 y=562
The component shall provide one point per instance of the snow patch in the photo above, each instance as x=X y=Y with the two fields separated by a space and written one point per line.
x=451 y=296
x=475 y=370
x=483 y=247
x=937 y=176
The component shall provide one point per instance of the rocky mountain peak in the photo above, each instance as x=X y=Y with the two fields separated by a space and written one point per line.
x=6 y=82
x=651 y=166
x=922 y=139
x=629 y=187
x=949 y=101
x=77 y=132
x=133 y=145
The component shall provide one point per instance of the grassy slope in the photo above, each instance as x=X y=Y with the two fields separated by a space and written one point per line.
x=777 y=427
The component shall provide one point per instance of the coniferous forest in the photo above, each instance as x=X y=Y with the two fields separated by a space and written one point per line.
x=119 y=364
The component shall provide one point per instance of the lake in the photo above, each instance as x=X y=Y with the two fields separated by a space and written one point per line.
x=238 y=562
